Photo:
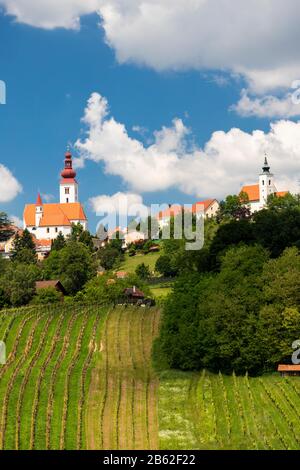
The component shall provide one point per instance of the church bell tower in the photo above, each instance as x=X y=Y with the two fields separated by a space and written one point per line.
x=266 y=183
x=68 y=184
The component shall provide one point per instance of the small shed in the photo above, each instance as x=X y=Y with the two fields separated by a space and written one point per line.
x=154 y=249
x=121 y=274
x=56 y=284
x=133 y=294
x=289 y=370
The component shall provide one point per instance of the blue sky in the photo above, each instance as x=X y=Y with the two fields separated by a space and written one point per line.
x=50 y=75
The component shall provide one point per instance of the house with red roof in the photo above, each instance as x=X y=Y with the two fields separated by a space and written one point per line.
x=258 y=193
x=46 y=221
x=208 y=208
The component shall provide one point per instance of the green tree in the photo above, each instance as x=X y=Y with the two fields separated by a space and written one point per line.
x=6 y=231
x=109 y=256
x=78 y=234
x=288 y=201
x=234 y=207
x=48 y=295
x=19 y=283
x=24 y=249
x=165 y=266
x=59 y=242
x=277 y=230
x=228 y=235
x=72 y=265
x=142 y=271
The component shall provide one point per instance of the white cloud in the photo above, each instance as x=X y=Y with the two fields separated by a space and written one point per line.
x=9 y=185
x=16 y=221
x=227 y=161
x=267 y=107
x=257 y=39
x=117 y=203
x=50 y=14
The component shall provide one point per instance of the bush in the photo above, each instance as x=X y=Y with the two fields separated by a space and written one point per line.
x=142 y=271
x=48 y=295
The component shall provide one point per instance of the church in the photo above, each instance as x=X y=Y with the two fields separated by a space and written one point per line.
x=258 y=193
x=46 y=221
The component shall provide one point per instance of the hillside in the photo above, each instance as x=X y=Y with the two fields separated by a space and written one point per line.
x=83 y=379
x=131 y=262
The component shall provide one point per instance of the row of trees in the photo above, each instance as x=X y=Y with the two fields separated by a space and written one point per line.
x=236 y=302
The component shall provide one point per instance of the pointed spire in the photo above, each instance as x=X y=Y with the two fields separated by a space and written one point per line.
x=266 y=167
x=39 y=201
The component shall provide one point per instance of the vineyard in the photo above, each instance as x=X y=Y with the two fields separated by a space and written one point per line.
x=206 y=411
x=81 y=378
x=78 y=378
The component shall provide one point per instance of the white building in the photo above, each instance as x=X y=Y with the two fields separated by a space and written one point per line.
x=258 y=193
x=209 y=207
x=45 y=221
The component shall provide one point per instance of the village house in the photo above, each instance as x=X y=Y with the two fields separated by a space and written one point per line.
x=208 y=207
x=55 y=284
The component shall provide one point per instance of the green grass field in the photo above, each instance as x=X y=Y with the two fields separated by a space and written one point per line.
x=82 y=378
x=131 y=262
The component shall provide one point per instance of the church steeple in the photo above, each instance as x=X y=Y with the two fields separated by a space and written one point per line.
x=266 y=183
x=68 y=183
x=68 y=172
x=266 y=167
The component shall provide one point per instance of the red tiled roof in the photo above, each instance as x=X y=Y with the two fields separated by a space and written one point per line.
x=288 y=368
x=42 y=243
x=202 y=205
x=55 y=214
x=252 y=191
x=175 y=210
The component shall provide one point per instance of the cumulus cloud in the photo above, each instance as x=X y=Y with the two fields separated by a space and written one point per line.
x=267 y=107
x=9 y=185
x=50 y=14
x=256 y=39
x=117 y=203
x=228 y=159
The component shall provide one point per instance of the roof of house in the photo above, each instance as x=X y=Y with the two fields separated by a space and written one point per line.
x=55 y=214
x=134 y=292
x=121 y=274
x=288 y=368
x=176 y=209
x=281 y=193
x=44 y=243
x=252 y=191
x=53 y=283
x=203 y=205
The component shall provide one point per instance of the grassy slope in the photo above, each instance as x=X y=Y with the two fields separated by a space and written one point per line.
x=131 y=262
